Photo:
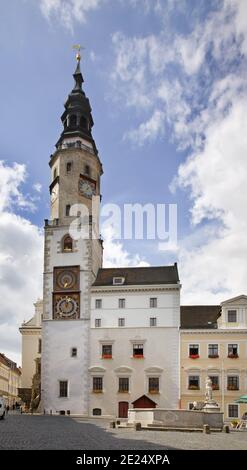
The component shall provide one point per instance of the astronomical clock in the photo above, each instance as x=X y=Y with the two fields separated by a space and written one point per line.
x=66 y=295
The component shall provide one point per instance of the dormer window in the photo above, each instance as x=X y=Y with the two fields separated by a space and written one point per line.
x=232 y=316
x=118 y=281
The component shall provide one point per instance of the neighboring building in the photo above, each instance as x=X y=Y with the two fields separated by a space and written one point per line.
x=10 y=380
x=214 y=343
x=31 y=351
x=74 y=377
x=134 y=347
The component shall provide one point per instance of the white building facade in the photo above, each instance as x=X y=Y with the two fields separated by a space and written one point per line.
x=134 y=340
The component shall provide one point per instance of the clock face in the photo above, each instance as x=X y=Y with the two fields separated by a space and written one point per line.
x=66 y=306
x=66 y=279
x=87 y=187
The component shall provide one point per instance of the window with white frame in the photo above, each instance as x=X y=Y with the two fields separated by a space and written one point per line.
x=121 y=322
x=98 y=303
x=233 y=382
x=232 y=316
x=153 y=302
x=121 y=303
x=153 y=384
x=117 y=281
x=123 y=384
x=194 y=350
x=138 y=350
x=194 y=382
x=153 y=321
x=106 y=351
x=233 y=350
x=213 y=350
x=63 y=388
x=233 y=411
x=97 y=384
x=97 y=322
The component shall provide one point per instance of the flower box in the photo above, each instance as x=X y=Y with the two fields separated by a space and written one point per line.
x=232 y=388
x=138 y=356
x=97 y=391
x=106 y=356
x=194 y=387
x=194 y=356
x=213 y=356
x=232 y=356
x=215 y=387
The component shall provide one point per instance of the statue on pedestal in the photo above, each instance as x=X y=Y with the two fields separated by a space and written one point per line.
x=209 y=390
x=209 y=404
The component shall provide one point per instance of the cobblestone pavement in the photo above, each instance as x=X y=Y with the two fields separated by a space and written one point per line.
x=58 y=432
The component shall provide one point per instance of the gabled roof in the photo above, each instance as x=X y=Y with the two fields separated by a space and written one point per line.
x=138 y=276
x=242 y=299
x=199 y=316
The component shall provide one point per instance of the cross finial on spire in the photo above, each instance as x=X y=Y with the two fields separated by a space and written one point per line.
x=78 y=47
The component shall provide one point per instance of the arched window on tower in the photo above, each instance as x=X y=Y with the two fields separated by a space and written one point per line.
x=73 y=120
x=67 y=243
x=54 y=173
x=83 y=122
x=87 y=170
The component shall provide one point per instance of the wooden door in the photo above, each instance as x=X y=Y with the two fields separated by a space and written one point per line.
x=123 y=407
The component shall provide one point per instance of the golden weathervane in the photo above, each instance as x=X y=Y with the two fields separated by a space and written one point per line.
x=78 y=47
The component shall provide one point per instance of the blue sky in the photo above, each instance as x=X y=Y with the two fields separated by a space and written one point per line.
x=167 y=84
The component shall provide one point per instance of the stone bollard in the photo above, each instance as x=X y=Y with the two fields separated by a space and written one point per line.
x=138 y=426
x=206 y=429
x=226 y=429
x=112 y=424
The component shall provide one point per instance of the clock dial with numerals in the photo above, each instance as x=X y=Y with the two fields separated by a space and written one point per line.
x=66 y=306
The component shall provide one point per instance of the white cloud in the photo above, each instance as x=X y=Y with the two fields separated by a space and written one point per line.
x=68 y=12
x=203 y=105
x=114 y=253
x=37 y=187
x=21 y=251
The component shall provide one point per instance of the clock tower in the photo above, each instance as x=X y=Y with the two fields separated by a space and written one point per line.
x=71 y=262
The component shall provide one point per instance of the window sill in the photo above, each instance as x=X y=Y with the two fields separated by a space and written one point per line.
x=213 y=357
x=233 y=389
x=194 y=356
x=123 y=391
x=153 y=393
x=233 y=357
x=138 y=357
x=193 y=388
x=97 y=391
x=106 y=357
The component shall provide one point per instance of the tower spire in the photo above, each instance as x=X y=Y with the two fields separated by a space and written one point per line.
x=77 y=118
x=78 y=75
